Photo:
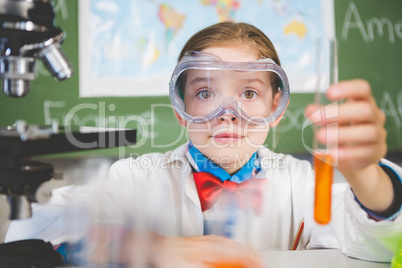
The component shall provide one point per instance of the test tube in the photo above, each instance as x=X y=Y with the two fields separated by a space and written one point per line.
x=327 y=74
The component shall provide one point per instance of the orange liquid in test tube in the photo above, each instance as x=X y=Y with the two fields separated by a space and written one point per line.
x=323 y=183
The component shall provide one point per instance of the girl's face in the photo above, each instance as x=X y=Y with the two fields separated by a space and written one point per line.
x=229 y=141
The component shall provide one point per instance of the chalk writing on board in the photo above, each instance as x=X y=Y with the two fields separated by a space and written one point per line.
x=371 y=27
x=61 y=6
x=392 y=110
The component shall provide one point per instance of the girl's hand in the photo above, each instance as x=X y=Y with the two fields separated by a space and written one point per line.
x=115 y=244
x=357 y=135
x=204 y=252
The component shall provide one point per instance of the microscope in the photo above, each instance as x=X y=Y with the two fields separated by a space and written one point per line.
x=28 y=33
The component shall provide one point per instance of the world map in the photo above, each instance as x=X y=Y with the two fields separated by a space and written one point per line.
x=141 y=40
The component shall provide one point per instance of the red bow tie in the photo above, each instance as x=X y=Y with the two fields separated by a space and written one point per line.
x=210 y=187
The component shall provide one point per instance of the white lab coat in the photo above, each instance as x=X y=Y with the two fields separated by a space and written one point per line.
x=163 y=187
x=288 y=199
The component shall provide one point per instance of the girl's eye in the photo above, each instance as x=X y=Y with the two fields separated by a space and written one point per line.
x=204 y=94
x=249 y=94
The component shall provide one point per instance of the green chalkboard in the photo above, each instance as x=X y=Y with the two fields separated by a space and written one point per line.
x=370 y=42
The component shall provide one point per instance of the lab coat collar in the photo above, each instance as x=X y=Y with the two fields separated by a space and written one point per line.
x=179 y=155
x=194 y=224
x=190 y=189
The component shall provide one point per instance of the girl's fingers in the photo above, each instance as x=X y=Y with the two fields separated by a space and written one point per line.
x=356 y=89
x=358 y=112
x=203 y=251
x=361 y=153
x=354 y=145
x=351 y=134
x=360 y=105
x=354 y=130
x=218 y=249
x=345 y=113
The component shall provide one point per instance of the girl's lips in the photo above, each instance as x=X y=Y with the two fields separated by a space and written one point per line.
x=226 y=137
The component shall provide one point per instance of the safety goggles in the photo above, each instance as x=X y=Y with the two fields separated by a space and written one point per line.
x=203 y=88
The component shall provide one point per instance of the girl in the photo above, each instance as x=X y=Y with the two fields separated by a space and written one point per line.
x=228 y=90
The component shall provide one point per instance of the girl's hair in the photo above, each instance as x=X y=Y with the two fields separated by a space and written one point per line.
x=229 y=33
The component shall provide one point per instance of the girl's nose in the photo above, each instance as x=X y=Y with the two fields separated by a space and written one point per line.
x=228 y=117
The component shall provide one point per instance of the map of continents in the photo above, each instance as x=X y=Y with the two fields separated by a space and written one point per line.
x=141 y=39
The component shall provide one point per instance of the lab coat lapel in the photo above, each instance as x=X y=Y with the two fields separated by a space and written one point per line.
x=191 y=214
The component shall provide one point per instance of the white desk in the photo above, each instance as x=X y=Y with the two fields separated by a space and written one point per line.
x=323 y=258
